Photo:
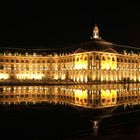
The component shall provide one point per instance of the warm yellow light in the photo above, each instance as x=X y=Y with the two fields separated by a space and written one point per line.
x=30 y=76
x=4 y=76
x=81 y=64
x=56 y=76
x=96 y=32
x=108 y=97
x=105 y=65
x=108 y=64
x=114 y=94
x=80 y=95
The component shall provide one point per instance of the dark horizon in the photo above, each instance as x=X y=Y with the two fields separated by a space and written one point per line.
x=59 y=24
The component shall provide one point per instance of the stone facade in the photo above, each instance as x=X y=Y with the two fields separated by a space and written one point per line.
x=94 y=65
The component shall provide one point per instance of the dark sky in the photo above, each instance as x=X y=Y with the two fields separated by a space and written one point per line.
x=63 y=23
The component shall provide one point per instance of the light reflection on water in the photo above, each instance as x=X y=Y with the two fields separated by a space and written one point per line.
x=89 y=96
x=41 y=123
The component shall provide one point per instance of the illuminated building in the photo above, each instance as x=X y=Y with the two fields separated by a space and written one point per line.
x=88 y=96
x=93 y=61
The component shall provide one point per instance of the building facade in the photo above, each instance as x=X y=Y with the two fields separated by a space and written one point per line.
x=89 y=96
x=93 y=61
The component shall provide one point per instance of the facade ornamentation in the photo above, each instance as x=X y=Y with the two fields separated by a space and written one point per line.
x=96 y=60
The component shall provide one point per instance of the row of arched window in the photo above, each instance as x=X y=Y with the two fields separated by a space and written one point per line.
x=70 y=59
x=127 y=60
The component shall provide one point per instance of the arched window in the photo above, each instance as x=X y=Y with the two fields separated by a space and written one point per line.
x=90 y=57
x=103 y=58
x=113 y=59
x=17 y=61
x=43 y=61
x=1 y=66
x=97 y=57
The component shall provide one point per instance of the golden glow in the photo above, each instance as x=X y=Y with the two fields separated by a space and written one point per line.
x=81 y=64
x=30 y=76
x=114 y=65
x=80 y=96
x=100 y=96
x=114 y=96
x=4 y=76
x=108 y=97
x=108 y=63
x=96 y=32
x=79 y=67
x=56 y=76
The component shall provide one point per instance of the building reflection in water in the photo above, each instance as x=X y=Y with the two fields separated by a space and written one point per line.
x=89 y=96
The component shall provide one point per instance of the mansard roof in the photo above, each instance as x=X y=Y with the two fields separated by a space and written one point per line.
x=105 y=46
x=92 y=45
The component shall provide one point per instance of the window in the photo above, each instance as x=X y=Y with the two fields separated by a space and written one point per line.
x=113 y=59
x=1 y=66
x=12 y=67
x=97 y=57
x=27 y=61
x=103 y=58
x=90 y=57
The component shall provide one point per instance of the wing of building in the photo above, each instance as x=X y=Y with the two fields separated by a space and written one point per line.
x=94 y=61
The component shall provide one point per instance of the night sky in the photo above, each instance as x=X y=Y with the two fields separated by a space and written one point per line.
x=47 y=24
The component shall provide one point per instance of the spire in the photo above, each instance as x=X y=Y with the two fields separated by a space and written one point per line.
x=95 y=32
